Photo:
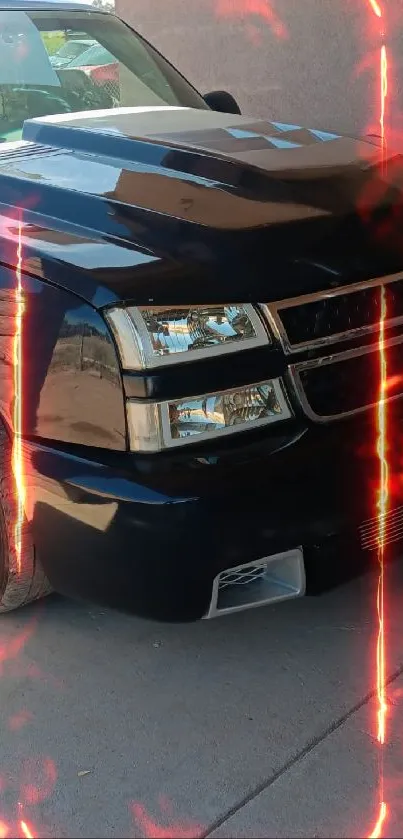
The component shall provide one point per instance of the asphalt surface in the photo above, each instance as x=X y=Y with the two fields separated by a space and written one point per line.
x=259 y=724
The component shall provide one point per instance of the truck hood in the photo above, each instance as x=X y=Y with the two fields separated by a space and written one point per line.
x=175 y=203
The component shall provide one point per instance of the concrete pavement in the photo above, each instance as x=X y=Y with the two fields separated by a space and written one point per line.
x=255 y=725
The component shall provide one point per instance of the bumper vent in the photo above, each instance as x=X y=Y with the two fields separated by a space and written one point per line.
x=242 y=576
x=267 y=580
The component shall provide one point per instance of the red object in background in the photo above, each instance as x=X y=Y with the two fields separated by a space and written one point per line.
x=102 y=73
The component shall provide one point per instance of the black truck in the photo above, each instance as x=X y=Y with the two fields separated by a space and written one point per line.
x=190 y=305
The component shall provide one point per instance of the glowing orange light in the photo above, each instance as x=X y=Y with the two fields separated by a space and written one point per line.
x=245 y=8
x=382 y=504
x=4 y=831
x=26 y=830
x=17 y=458
x=38 y=778
x=393 y=381
x=154 y=830
x=384 y=93
x=375 y=7
x=18 y=721
x=377 y=831
x=383 y=479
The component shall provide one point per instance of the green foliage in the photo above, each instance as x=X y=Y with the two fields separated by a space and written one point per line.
x=53 y=41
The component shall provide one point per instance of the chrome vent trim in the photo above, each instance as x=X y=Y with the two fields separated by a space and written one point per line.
x=242 y=576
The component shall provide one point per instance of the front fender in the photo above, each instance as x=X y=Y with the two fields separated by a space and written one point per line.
x=71 y=380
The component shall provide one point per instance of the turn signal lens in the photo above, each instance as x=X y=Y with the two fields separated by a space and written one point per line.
x=162 y=425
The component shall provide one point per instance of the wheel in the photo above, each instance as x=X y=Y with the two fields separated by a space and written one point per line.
x=18 y=586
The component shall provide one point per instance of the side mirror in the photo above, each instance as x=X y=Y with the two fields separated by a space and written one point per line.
x=220 y=100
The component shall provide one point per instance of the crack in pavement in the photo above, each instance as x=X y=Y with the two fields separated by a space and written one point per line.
x=310 y=746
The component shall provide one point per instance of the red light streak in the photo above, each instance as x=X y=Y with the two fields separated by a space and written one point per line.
x=377 y=831
x=38 y=779
x=382 y=504
x=245 y=8
x=26 y=830
x=393 y=381
x=154 y=830
x=383 y=475
x=18 y=721
x=375 y=7
x=17 y=441
x=384 y=95
x=383 y=490
x=17 y=460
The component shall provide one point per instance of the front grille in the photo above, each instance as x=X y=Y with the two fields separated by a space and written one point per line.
x=341 y=315
x=349 y=384
x=392 y=530
x=344 y=380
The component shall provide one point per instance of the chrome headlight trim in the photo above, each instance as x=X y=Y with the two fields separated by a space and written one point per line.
x=150 y=424
x=135 y=344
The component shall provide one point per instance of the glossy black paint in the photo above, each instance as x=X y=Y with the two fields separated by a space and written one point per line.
x=270 y=222
x=170 y=207
x=148 y=535
x=222 y=101
x=211 y=375
x=72 y=387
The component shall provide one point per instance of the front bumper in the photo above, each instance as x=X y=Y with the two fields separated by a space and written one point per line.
x=150 y=535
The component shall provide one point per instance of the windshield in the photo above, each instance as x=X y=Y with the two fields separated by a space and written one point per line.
x=62 y=62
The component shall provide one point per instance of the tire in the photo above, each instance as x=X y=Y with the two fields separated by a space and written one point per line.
x=17 y=586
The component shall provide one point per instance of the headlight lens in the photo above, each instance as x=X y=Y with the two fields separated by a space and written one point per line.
x=150 y=337
x=161 y=425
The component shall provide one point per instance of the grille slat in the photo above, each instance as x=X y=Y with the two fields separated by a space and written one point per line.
x=350 y=384
x=342 y=315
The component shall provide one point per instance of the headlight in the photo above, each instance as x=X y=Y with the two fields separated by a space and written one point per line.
x=151 y=336
x=156 y=426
